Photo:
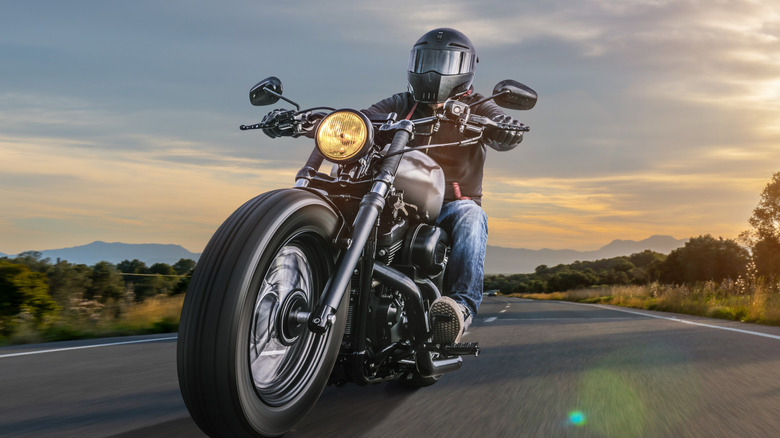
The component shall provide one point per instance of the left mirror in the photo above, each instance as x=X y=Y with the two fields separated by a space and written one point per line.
x=514 y=95
x=266 y=92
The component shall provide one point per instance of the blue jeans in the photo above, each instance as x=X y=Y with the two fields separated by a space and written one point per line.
x=466 y=223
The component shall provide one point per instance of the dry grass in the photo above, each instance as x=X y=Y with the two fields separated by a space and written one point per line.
x=157 y=311
x=747 y=301
x=90 y=319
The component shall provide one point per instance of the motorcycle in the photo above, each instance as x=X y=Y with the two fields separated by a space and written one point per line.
x=329 y=281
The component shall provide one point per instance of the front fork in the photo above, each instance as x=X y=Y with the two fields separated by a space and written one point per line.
x=371 y=206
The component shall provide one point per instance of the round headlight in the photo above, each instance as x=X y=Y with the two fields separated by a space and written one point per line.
x=344 y=136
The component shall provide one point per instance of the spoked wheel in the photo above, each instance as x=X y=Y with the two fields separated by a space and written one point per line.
x=248 y=365
x=283 y=353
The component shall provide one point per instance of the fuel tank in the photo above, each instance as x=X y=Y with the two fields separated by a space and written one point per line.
x=422 y=181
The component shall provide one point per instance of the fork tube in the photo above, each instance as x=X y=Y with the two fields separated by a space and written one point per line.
x=370 y=207
x=303 y=178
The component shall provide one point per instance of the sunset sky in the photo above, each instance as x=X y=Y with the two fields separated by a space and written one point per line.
x=119 y=120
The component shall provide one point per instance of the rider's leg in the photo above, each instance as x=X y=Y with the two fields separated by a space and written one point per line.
x=466 y=224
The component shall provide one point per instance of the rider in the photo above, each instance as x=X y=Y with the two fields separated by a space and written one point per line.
x=441 y=67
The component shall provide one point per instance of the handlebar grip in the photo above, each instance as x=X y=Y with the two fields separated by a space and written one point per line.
x=485 y=121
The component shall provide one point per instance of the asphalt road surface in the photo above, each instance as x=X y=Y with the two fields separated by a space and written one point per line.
x=547 y=369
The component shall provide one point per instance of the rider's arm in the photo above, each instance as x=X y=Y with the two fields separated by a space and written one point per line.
x=497 y=138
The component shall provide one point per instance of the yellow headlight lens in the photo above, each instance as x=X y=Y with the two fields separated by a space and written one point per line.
x=342 y=136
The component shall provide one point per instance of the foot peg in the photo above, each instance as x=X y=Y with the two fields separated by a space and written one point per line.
x=458 y=349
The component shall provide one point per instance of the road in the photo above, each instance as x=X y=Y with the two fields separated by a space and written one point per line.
x=547 y=369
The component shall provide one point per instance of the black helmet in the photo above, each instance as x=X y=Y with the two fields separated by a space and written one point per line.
x=441 y=65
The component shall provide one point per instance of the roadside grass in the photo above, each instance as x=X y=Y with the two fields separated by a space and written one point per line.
x=737 y=301
x=755 y=302
x=89 y=319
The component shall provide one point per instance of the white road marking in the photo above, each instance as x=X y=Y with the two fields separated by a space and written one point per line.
x=684 y=321
x=491 y=319
x=54 y=350
x=567 y=319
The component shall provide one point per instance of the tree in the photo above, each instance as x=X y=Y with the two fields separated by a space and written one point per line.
x=67 y=281
x=33 y=260
x=161 y=269
x=160 y=278
x=568 y=279
x=184 y=266
x=106 y=283
x=766 y=254
x=134 y=266
x=764 y=237
x=705 y=258
x=23 y=291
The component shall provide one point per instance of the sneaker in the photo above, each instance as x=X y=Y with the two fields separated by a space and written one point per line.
x=450 y=320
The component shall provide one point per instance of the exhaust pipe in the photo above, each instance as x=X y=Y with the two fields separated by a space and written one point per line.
x=429 y=367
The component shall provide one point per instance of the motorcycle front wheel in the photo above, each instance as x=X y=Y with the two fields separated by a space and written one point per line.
x=248 y=366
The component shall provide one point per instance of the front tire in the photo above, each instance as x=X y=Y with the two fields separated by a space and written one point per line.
x=247 y=366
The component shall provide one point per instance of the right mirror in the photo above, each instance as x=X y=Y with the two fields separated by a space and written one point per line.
x=514 y=95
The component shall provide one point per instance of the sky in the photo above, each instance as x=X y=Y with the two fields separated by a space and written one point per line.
x=119 y=120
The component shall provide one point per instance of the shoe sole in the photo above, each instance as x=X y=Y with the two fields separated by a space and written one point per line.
x=447 y=326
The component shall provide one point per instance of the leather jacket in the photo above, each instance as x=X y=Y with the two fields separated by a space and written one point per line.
x=462 y=165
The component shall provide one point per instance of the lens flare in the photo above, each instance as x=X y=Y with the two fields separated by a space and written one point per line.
x=577 y=418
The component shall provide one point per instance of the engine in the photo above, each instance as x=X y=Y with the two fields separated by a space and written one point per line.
x=422 y=247
x=427 y=250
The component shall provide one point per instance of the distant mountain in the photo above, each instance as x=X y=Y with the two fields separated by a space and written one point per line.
x=499 y=260
x=149 y=253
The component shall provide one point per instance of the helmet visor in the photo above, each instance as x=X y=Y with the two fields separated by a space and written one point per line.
x=445 y=62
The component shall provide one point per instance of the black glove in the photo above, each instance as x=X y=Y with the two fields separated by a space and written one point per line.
x=506 y=134
x=279 y=123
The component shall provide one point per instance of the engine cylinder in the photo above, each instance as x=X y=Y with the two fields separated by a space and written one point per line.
x=428 y=249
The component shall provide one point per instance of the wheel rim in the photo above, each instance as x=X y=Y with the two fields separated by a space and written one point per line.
x=282 y=352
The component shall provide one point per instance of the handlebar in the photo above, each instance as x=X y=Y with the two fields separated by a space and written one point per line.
x=473 y=121
x=289 y=120
x=284 y=119
x=294 y=121
x=255 y=126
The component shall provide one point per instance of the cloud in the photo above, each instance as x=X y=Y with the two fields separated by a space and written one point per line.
x=575 y=212
x=121 y=195
x=121 y=118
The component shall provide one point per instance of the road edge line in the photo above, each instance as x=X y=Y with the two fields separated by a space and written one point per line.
x=700 y=324
x=81 y=347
